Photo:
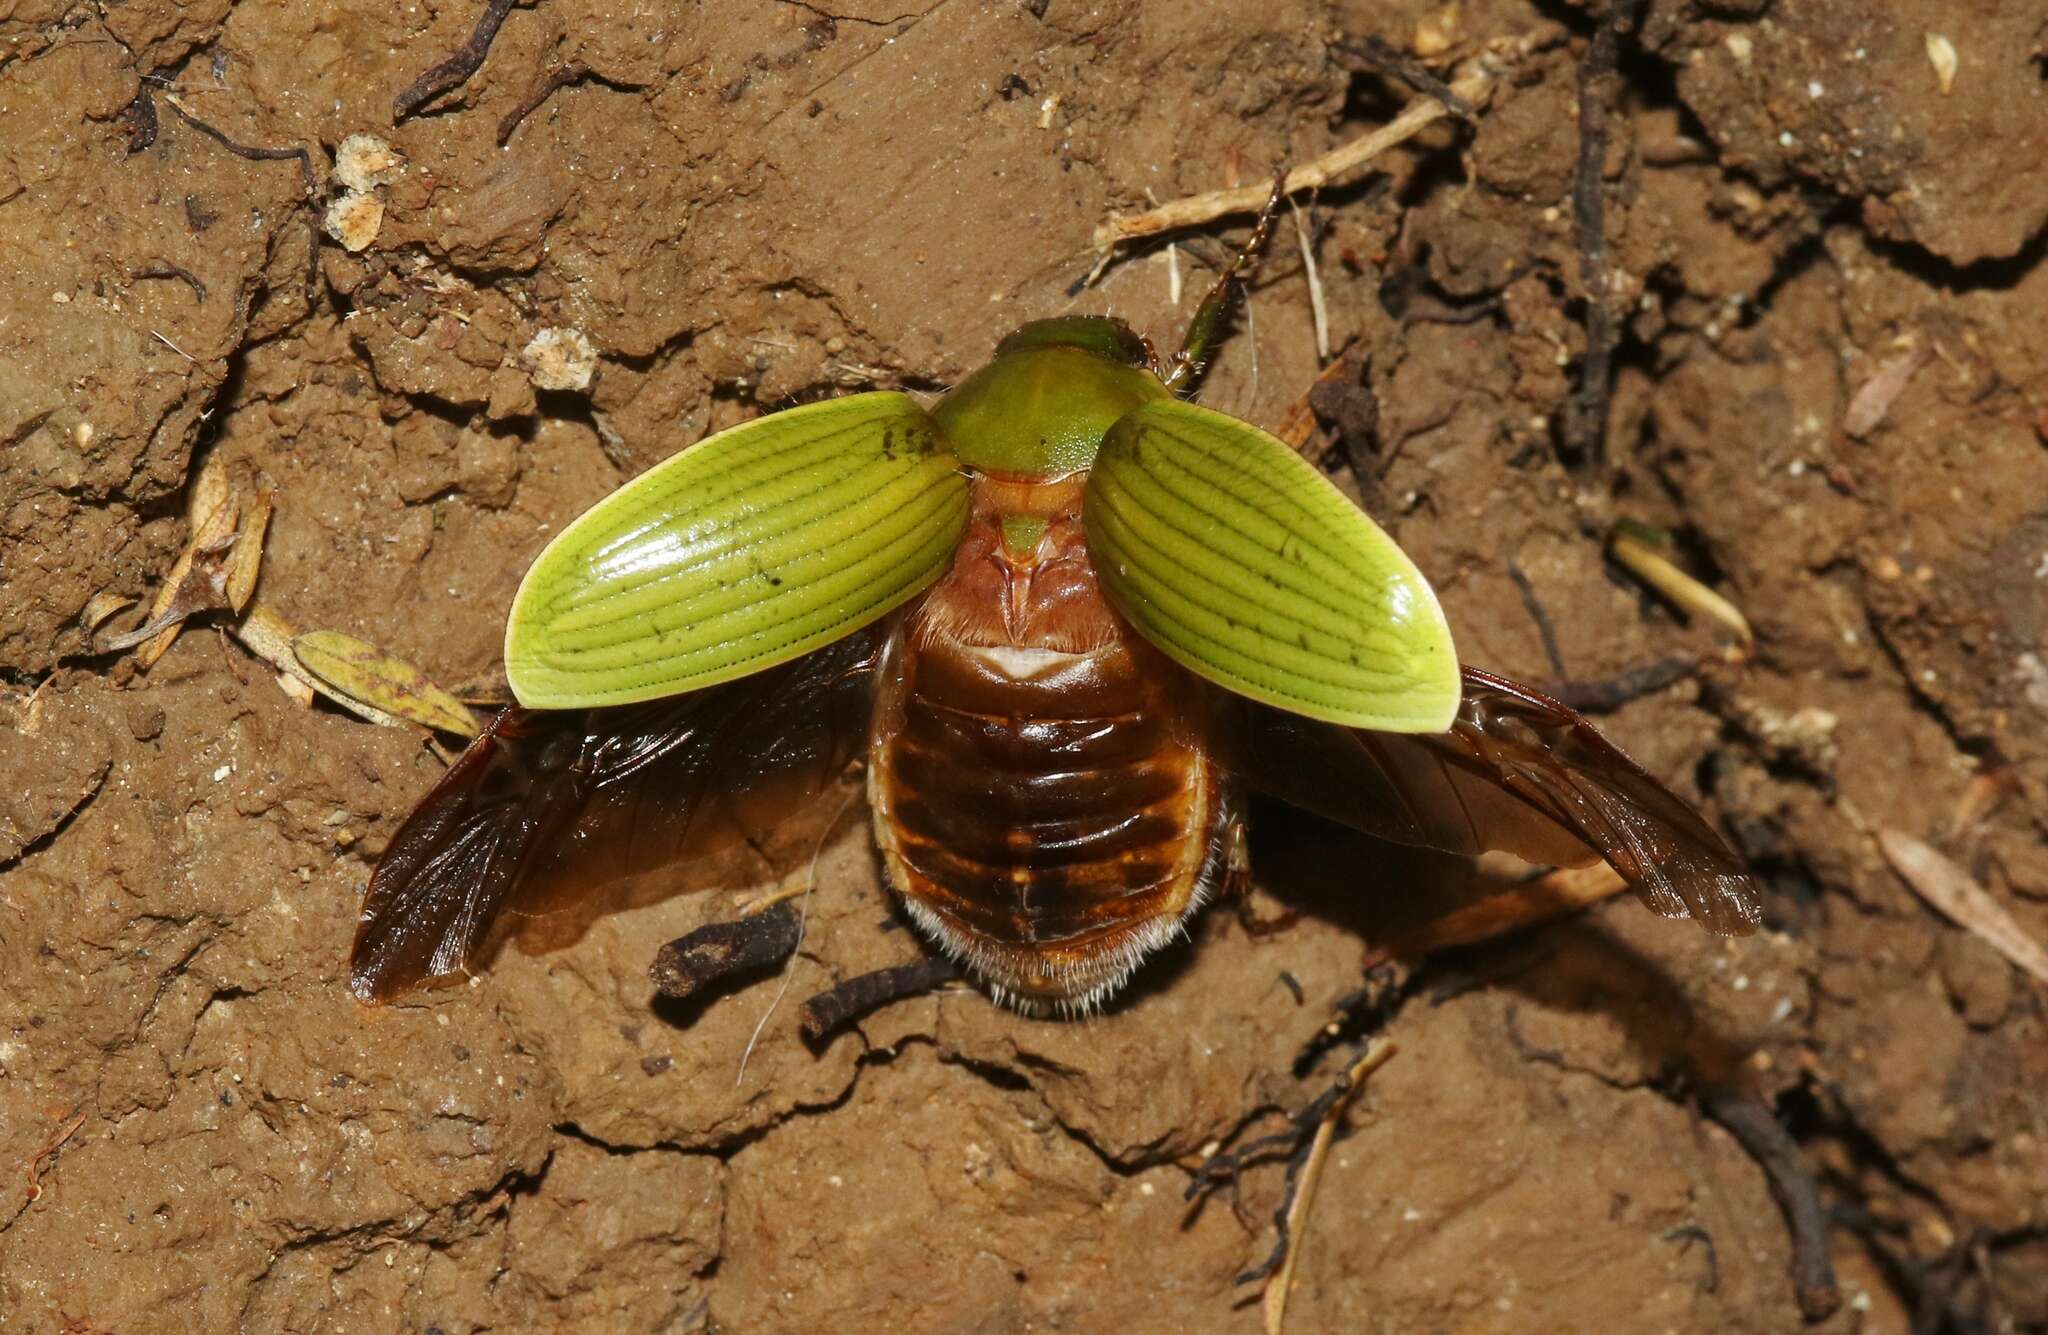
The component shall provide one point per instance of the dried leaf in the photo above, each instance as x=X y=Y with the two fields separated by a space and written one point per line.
x=269 y=636
x=1873 y=400
x=100 y=607
x=1950 y=889
x=366 y=674
x=213 y=509
x=247 y=558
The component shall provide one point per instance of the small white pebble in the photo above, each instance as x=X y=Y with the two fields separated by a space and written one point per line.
x=1785 y=139
x=223 y=772
x=354 y=220
x=1814 y=90
x=559 y=359
x=364 y=162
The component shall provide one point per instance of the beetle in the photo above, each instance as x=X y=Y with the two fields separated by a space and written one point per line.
x=1068 y=618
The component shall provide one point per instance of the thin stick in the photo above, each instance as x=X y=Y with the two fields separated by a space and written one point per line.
x=1377 y=56
x=1551 y=895
x=1475 y=86
x=454 y=71
x=1544 y=629
x=55 y=1141
x=1758 y=1131
x=824 y=1015
x=1294 y=1222
x=266 y=155
x=1585 y=424
x=1316 y=307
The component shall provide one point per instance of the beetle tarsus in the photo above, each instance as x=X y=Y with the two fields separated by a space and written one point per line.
x=1184 y=369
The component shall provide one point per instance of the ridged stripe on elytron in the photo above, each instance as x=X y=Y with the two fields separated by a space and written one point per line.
x=1207 y=610
x=746 y=493
x=794 y=529
x=1171 y=593
x=639 y=675
x=739 y=575
x=1234 y=556
x=837 y=594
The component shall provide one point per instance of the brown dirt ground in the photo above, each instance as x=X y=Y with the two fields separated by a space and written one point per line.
x=749 y=204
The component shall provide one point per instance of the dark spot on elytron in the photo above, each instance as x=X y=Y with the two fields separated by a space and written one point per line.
x=775 y=580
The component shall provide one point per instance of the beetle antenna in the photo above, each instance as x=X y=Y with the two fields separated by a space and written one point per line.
x=803 y=918
x=1185 y=368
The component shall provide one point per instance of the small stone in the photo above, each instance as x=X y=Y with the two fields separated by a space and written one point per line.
x=355 y=219
x=559 y=359
x=363 y=162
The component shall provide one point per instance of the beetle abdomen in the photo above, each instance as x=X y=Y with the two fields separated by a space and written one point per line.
x=1043 y=811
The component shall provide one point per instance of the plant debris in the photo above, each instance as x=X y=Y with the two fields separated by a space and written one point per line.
x=1636 y=548
x=457 y=68
x=1759 y=1132
x=1585 y=410
x=367 y=675
x=829 y=1011
x=721 y=950
x=1964 y=902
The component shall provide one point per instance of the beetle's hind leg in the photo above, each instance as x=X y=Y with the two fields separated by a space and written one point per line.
x=1185 y=367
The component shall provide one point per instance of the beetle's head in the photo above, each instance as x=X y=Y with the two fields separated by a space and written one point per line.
x=1040 y=408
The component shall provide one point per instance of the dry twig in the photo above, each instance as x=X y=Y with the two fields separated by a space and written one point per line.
x=1632 y=549
x=269 y=155
x=719 y=950
x=824 y=1014
x=48 y=1150
x=1317 y=310
x=1758 y=1131
x=1293 y=1221
x=1551 y=895
x=1585 y=410
x=1475 y=85
x=455 y=71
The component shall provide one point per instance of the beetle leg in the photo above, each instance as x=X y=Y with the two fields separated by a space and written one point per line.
x=1185 y=367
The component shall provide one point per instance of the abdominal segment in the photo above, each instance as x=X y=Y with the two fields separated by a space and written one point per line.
x=1044 y=812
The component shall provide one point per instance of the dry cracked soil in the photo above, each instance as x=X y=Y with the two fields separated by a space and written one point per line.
x=1824 y=226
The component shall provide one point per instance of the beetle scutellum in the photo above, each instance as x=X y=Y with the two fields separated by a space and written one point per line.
x=1066 y=616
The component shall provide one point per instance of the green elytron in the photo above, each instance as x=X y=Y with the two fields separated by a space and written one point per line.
x=1068 y=618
